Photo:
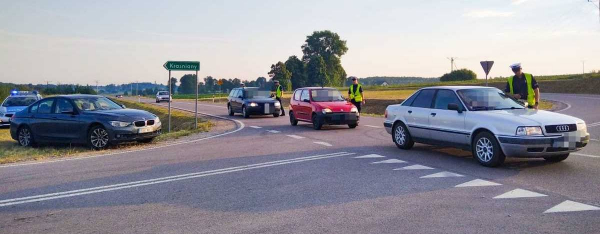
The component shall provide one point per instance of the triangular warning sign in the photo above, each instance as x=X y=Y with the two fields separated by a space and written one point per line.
x=487 y=66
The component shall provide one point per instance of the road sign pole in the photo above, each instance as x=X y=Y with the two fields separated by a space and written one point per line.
x=196 y=100
x=170 y=94
x=486 y=81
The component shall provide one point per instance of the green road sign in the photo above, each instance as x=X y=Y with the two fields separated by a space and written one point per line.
x=182 y=65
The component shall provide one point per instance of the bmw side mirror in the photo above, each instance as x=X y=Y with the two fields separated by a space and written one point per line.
x=454 y=106
x=124 y=107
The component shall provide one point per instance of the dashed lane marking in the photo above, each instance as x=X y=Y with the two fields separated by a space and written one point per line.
x=593 y=124
x=371 y=156
x=571 y=206
x=255 y=127
x=273 y=131
x=519 y=193
x=477 y=183
x=586 y=155
x=93 y=190
x=322 y=143
x=414 y=167
x=594 y=139
x=389 y=161
x=371 y=126
x=442 y=175
x=296 y=136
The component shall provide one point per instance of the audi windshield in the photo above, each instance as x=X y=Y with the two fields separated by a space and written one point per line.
x=487 y=99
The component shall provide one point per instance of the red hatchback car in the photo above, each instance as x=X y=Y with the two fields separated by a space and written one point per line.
x=321 y=106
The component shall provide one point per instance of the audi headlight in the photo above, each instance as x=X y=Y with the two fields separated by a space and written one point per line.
x=277 y=104
x=326 y=110
x=529 y=131
x=354 y=110
x=119 y=124
x=253 y=104
x=581 y=126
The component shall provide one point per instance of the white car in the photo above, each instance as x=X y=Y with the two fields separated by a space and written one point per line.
x=485 y=121
x=163 y=96
x=17 y=101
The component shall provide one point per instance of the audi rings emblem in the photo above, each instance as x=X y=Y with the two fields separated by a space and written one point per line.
x=562 y=128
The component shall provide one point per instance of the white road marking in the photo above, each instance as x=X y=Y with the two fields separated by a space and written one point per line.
x=255 y=127
x=519 y=193
x=586 y=155
x=594 y=140
x=371 y=126
x=80 y=192
x=296 y=136
x=273 y=131
x=414 y=167
x=389 y=161
x=570 y=206
x=593 y=124
x=568 y=107
x=477 y=183
x=442 y=175
x=322 y=143
x=371 y=156
x=240 y=123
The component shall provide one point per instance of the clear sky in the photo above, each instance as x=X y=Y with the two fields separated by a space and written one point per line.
x=123 y=41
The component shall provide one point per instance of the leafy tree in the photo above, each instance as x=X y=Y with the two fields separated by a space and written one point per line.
x=261 y=82
x=279 y=72
x=457 y=75
x=210 y=83
x=296 y=67
x=173 y=85
x=316 y=71
x=330 y=47
x=187 y=84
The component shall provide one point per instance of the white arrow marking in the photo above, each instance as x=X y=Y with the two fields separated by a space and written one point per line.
x=520 y=193
x=477 y=183
x=256 y=127
x=371 y=156
x=570 y=206
x=414 y=167
x=389 y=161
x=442 y=174
x=273 y=131
x=296 y=136
x=322 y=143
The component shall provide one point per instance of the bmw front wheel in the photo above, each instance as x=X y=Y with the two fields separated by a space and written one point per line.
x=98 y=138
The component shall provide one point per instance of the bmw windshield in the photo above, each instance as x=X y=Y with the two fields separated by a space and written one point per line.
x=95 y=103
x=327 y=95
x=487 y=99
x=19 y=101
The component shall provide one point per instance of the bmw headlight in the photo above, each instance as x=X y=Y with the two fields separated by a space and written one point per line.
x=119 y=124
x=253 y=104
x=354 y=110
x=529 y=131
x=277 y=104
x=326 y=110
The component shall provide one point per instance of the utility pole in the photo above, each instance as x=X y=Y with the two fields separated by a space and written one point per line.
x=583 y=71
x=97 y=91
x=452 y=66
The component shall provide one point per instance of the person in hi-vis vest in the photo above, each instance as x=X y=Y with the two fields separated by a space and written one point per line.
x=523 y=86
x=357 y=97
x=278 y=94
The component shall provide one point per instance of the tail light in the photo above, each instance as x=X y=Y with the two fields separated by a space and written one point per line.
x=385 y=114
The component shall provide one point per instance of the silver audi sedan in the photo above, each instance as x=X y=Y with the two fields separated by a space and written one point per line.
x=485 y=121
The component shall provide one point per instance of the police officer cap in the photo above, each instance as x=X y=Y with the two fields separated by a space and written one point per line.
x=353 y=78
x=515 y=66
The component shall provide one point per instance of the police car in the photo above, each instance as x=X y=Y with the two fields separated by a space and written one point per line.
x=17 y=101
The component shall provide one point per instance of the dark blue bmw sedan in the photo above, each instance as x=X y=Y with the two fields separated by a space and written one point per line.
x=88 y=119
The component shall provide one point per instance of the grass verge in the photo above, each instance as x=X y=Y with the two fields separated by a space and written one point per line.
x=182 y=124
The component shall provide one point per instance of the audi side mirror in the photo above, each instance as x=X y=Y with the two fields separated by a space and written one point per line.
x=455 y=107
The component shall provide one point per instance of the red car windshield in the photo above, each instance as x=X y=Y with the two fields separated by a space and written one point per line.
x=326 y=95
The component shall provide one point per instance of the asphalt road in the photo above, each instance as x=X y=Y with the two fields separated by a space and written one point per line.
x=270 y=177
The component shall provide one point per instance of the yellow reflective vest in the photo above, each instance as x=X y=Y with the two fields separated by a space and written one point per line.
x=530 y=92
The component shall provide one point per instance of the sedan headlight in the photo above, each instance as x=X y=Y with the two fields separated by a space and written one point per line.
x=581 y=126
x=277 y=104
x=326 y=110
x=354 y=110
x=253 y=104
x=119 y=124
x=529 y=131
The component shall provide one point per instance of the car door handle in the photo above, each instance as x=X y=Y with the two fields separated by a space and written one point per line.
x=433 y=114
x=410 y=112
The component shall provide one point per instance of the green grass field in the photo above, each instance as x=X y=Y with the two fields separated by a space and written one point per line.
x=182 y=125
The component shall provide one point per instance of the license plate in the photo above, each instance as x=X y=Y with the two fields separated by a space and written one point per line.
x=144 y=130
x=267 y=111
